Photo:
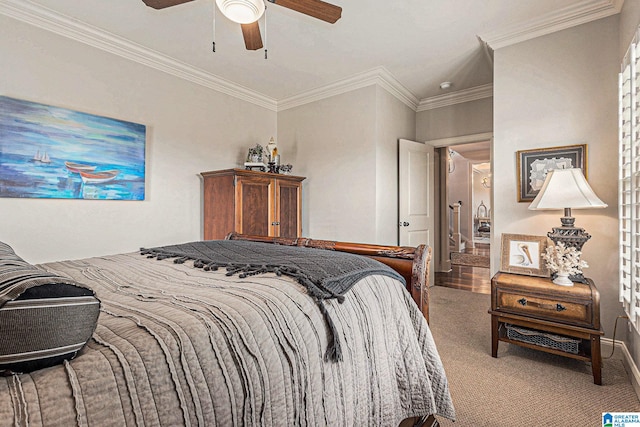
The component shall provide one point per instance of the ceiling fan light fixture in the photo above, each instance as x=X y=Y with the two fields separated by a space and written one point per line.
x=241 y=11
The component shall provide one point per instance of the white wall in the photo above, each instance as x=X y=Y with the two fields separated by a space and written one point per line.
x=332 y=143
x=394 y=121
x=556 y=90
x=347 y=147
x=190 y=129
x=455 y=120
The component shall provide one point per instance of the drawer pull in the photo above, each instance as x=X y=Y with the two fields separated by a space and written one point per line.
x=556 y=307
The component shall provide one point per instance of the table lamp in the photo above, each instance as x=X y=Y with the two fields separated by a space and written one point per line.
x=567 y=189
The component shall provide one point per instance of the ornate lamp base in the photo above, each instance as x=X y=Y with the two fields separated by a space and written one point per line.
x=563 y=280
x=570 y=236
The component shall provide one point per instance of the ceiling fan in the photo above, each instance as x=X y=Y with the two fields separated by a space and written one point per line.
x=247 y=13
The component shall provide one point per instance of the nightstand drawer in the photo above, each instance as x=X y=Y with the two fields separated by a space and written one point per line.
x=554 y=309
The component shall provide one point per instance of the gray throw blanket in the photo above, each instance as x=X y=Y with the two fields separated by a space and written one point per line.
x=326 y=274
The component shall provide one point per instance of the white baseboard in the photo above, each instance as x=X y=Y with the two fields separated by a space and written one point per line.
x=629 y=365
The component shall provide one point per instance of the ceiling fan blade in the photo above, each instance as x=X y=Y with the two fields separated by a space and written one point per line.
x=252 y=37
x=161 y=4
x=315 y=8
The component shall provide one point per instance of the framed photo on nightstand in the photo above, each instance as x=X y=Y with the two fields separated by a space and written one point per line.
x=522 y=254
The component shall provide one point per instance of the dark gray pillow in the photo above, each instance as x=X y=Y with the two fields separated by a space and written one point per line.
x=44 y=318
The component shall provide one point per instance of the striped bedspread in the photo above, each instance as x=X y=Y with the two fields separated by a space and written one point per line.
x=176 y=345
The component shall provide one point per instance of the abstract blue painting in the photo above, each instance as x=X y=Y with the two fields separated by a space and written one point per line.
x=56 y=153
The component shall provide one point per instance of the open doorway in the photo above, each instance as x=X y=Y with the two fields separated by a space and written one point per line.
x=464 y=205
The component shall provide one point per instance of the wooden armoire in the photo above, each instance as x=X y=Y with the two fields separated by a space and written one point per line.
x=250 y=202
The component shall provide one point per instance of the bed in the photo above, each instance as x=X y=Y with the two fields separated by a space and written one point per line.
x=182 y=338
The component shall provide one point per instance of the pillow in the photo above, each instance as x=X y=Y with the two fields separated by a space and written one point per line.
x=44 y=318
x=8 y=256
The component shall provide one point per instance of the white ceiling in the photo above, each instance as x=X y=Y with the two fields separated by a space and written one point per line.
x=417 y=43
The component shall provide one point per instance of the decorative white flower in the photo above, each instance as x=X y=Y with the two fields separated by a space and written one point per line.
x=564 y=259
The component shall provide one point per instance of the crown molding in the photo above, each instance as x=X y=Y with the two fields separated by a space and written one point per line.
x=567 y=17
x=71 y=28
x=457 y=97
x=74 y=29
x=378 y=76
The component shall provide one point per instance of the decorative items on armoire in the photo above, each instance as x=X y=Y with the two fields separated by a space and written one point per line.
x=255 y=159
x=273 y=156
x=266 y=159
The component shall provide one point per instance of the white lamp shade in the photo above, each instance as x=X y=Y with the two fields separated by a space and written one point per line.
x=241 y=11
x=566 y=188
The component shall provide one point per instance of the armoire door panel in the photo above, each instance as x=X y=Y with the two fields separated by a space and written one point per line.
x=218 y=207
x=255 y=207
x=288 y=203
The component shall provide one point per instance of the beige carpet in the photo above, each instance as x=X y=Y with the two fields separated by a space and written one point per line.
x=521 y=387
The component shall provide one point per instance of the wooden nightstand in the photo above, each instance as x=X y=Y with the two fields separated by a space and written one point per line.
x=535 y=313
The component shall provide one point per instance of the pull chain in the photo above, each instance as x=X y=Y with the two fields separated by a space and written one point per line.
x=265 y=31
x=214 y=26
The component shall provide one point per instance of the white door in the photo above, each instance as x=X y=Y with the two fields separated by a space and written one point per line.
x=416 y=194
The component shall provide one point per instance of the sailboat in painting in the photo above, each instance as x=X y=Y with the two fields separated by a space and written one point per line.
x=44 y=158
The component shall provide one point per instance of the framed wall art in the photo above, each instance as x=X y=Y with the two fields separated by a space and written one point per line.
x=56 y=153
x=522 y=254
x=533 y=165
